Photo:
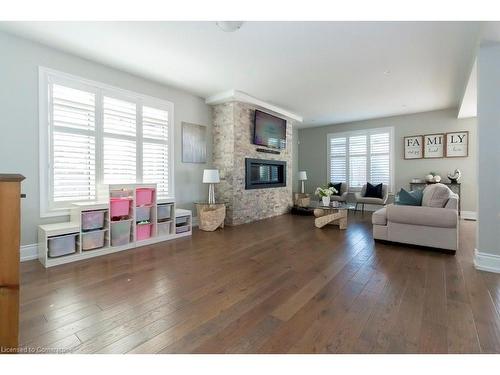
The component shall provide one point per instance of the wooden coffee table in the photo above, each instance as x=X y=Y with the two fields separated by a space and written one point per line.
x=328 y=215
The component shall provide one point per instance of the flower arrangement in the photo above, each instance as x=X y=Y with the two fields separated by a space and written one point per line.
x=325 y=191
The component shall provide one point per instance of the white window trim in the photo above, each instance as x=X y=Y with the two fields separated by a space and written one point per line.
x=366 y=132
x=46 y=75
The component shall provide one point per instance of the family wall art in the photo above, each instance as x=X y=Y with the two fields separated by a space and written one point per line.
x=439 y=145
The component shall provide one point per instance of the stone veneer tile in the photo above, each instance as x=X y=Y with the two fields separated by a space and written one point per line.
x=232 y=143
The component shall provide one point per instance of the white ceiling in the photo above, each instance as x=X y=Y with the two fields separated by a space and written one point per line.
x=326 y=72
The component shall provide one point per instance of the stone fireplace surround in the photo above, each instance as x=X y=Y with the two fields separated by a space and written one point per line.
x=232 y=144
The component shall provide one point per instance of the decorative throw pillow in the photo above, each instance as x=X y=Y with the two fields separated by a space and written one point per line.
x=409 y=198
x=336 y=187
x=436 y=195
x=373 y=191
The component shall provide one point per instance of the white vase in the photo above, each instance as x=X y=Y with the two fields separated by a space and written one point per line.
x=326 y=201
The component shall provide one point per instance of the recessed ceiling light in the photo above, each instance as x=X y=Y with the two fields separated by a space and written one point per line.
x=387 y=72
x=229 y=26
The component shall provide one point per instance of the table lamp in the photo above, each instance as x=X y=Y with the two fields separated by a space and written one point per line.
x=211 y=177
x=302 y=178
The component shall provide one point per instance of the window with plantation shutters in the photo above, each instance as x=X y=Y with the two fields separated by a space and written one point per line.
x=338 y=161
x=73 y=125
x=359 y=157
x=155 y=150
x=120 y=141
x=92 y=134
x=380 y=161
x=357 y=161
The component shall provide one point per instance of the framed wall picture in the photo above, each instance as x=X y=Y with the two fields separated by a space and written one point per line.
x=434 y=145
x=413 y=147
x=457 y=144
x=194 y=143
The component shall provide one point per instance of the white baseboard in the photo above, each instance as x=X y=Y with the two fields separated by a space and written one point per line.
x=468 y=215
x=29 y=252
x=486 y=262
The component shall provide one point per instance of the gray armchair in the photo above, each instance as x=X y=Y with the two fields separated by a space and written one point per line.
x=342 y=197
x=361 y=199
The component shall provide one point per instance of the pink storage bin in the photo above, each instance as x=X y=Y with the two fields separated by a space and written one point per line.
x=144 y=196
x=143 y=231
x=120 y=207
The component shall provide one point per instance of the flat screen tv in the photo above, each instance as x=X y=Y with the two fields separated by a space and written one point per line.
x=269 y=130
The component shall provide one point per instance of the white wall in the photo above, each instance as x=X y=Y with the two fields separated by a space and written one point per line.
x=19 y=153
x=487 y=255
x=313 y=150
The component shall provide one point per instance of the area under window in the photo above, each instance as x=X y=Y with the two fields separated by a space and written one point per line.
x=363 y=156
x=92 y=134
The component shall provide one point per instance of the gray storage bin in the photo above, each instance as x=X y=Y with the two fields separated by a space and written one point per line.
x=164 y=228
x=93 y=240
x=164 y=211
x=62 y=245
x=142 y=214
x=120 y=232
x=181 y=220
x=93 y=219
x=182 y=229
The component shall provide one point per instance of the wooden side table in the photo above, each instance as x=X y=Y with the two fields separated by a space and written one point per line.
x=301 y=200
x=210 y=216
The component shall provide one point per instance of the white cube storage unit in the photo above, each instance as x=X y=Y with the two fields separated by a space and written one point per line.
x=165 y=219
x=126 y=216
x=183 y=222
x=58 y=242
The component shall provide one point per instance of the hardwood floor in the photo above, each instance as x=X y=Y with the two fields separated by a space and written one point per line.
x=275 y=286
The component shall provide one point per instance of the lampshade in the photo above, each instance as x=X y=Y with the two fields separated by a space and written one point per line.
x=211 y=176
x=302 y=176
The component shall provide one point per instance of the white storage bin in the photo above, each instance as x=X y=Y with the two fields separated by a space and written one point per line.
x=62 y=245
x=164 y=211
x=164 y=228
x=120 y=232
x=142 y=214
x=93 y=240
x=93 y=219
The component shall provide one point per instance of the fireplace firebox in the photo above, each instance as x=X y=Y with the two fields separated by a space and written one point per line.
x=263 y=174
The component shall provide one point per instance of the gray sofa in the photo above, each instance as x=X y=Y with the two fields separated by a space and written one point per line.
x=434 y=224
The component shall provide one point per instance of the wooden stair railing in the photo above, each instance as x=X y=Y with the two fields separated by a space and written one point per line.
x=10 y=223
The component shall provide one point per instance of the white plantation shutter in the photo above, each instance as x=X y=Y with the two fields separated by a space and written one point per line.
x=120 y=154
x=338 y=159
x=360 y=157
x=380 y=158
x=119 y=117
x=99 y=134
x=357 y=161
x=155 y=149
x=72 y=125
x=119 y=161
